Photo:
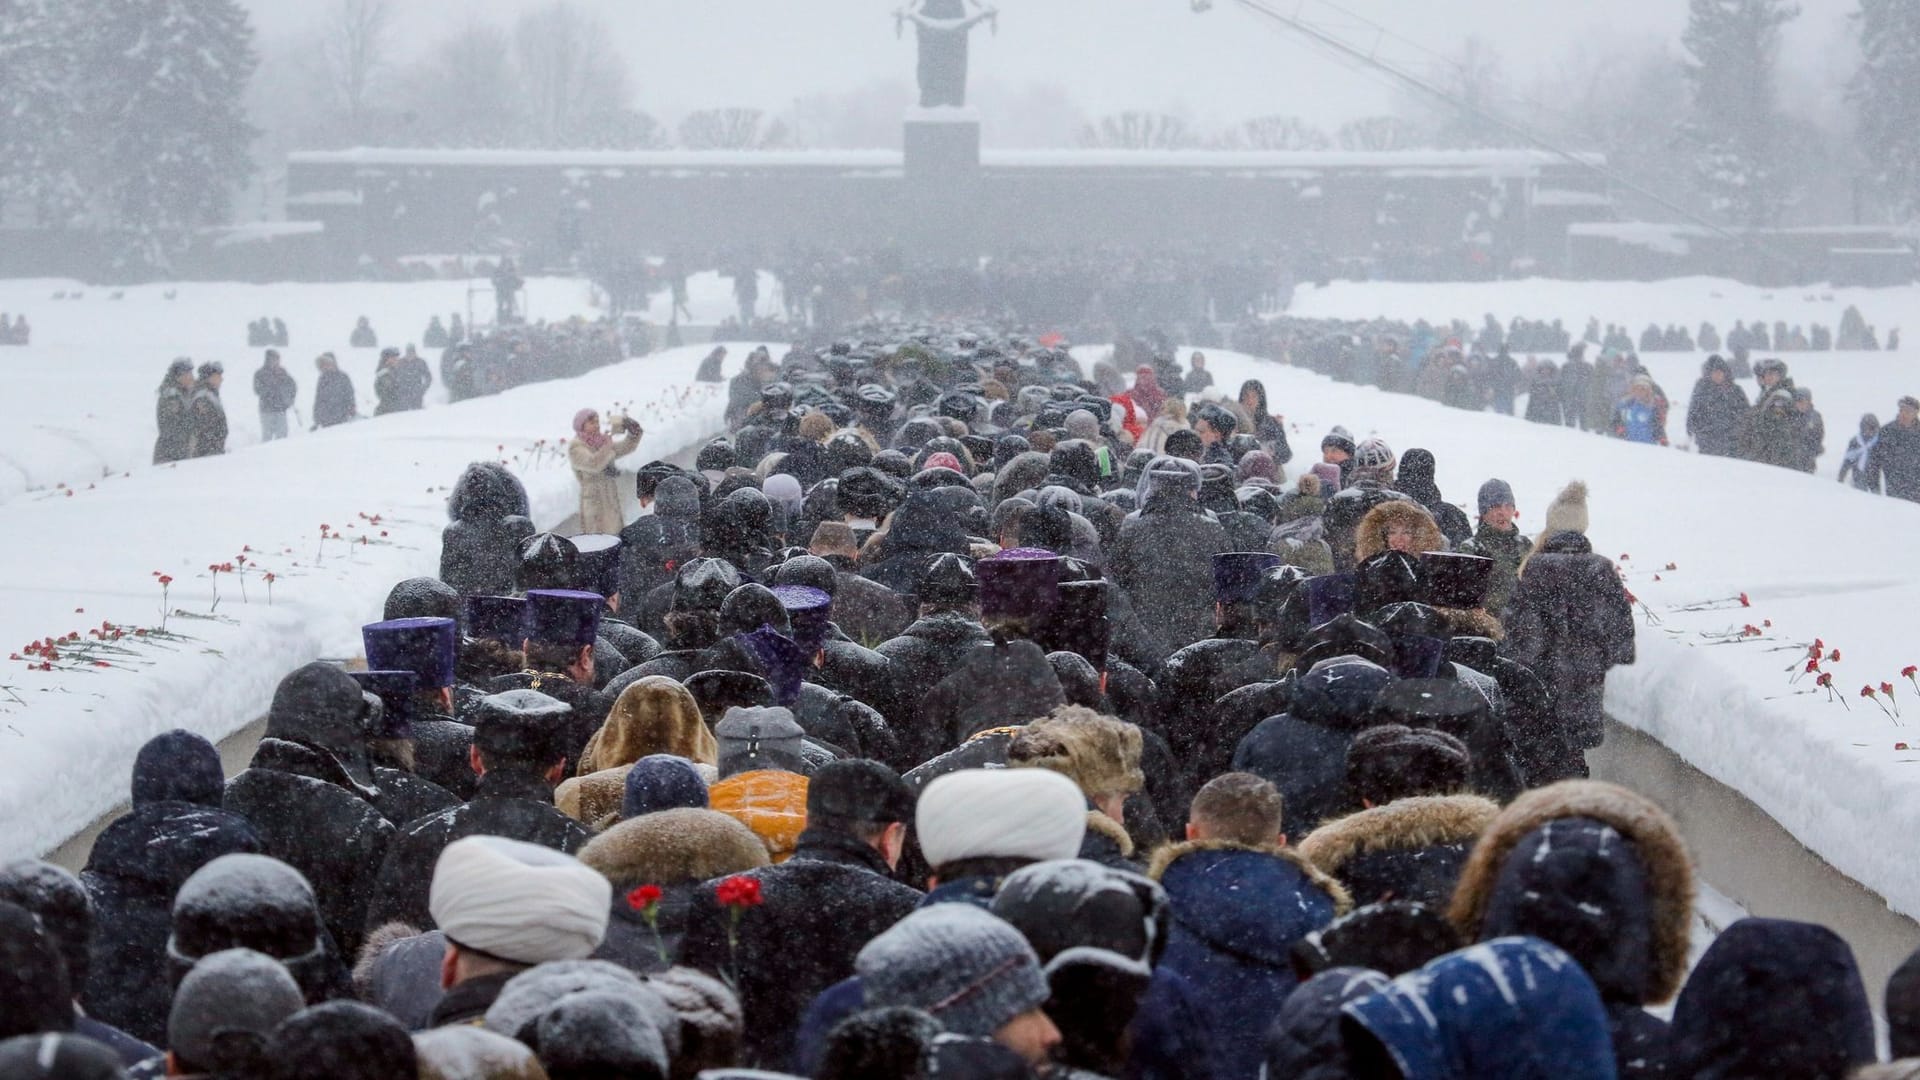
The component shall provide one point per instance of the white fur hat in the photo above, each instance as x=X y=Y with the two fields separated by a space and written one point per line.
x=1000 y=813
x=519 y=901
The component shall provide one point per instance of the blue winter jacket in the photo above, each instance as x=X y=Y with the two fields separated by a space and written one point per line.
x=1237 y=912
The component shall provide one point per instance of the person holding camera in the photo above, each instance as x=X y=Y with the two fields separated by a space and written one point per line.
x=592 y=455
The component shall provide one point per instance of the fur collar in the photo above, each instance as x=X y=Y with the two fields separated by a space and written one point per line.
x=1169 y=854
x=1098 y=822
x=1654 y=836
x=1370 y=538
x=1474 y=622
x=673 y=847
x=1405 y=824
x=383 y=937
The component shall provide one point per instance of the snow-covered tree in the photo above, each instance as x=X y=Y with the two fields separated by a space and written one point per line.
x=1139 y=130
x=731 y=129
x=1887 y=93
x=165 y=87
x=1735 y=131
x=41 y=112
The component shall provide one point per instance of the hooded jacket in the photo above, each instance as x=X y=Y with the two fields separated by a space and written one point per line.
x=1163 y=559
x=1570 y=621
x=1303 y=751
x=479 y=550
x=1773 y=998
x=1409 y=849
x=1237 y=912
x=1514 y=1008
x=1370 y=538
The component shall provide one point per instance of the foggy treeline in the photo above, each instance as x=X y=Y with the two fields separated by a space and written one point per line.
x=147 y=115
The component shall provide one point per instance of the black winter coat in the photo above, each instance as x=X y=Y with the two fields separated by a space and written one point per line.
x=1190 y=683
x=1305 y=759
x=924 y=654
x=515 y=806
x=175 y=441
x=867 y=611
x=1896 y=457
x=1570 y=621
x=208 y=418
x=479 y=558
x=275 y=388
x=590 y=707
x=319 y=827
x=132 y=874
x=1163 y=559
x=333 y=399
x=1714 y=415
x=818 y=910
x=996 y=685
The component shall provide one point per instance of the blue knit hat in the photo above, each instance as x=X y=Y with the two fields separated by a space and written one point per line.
x=1495 y=492
x=662 y=782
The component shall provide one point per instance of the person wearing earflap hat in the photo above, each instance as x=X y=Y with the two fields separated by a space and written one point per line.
x=1302 y=751
x=311 y=792
x=817 y=910
x=520 y=752
x=1373 y=470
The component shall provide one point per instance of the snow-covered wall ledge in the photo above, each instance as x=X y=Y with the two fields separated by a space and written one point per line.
x=89 y=561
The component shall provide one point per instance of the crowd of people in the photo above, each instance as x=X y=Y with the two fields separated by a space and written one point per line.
x=932 y=724
x=16 y=332
x=1614 y=394
x=192 y=420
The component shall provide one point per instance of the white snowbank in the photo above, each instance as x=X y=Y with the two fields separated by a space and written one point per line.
x=67 y=738
x=1815 y=559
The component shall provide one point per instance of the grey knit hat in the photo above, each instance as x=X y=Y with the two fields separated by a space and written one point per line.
x=970 y=970
x=226 y=1009
x=1495 y=492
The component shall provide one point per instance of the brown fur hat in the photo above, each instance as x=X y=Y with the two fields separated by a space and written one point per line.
x=1370 y=538
x=1099 y=753
x=1654 y=836
x=673 y=847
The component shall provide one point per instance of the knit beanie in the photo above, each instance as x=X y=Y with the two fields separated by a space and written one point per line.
x=518 y=901
x=1099 y=753
x=1495 y=492
x=1375 y=458
x=661 y=782
x=1000 y=813
x=968 y=969
x=225 y=1010
x=1568 y=512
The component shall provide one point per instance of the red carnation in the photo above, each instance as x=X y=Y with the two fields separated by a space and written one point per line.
x=1886 y=688
x=1866 y=691
x=1744 y=602
x=738 y=891
x=1834 y=656
x=166 y=580
x=1813 y=666
x=1908 y=671
x=643 y=897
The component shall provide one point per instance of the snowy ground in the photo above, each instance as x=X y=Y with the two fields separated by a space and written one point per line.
x=90 y=556
x=80 y=406
x=1814 y=560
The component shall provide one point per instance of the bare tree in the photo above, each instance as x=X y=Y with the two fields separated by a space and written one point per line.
x=1379 y=133
x=731 y=129
x=1275 y=132
x=569 y=73
x=354 y=47
x=1139 y=130
x=467 y=90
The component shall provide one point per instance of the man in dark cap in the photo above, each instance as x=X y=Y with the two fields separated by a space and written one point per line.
x=422 y=598
x=425 y=738
x=562 y=625
x=866 y=612
x=818 y=908
x=136 y=866
x=60 y=902
x=1010 y=681
x=547 y=561
x=311 y=792
x=927 y=651
x=520 y=740
x=836 y=663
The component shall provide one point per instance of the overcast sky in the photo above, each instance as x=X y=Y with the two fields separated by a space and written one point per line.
x=1109 y=54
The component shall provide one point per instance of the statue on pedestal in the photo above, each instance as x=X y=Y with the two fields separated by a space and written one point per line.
x=943 y=27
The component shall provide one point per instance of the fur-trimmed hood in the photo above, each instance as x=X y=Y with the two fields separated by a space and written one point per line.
x=1370 y=538
x=1401 y=825
x=1474 y=622
x=1099 y=824
x=1655 y=837
x=1165 y=856
x=673 y=847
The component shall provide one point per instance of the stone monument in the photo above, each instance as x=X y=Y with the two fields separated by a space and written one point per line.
x=942 y=135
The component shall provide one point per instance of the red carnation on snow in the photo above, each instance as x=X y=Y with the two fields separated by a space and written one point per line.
x=1744 y=602
x=644 y=897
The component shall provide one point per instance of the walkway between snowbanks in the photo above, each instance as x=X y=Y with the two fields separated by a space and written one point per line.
x=74 y=563
x=1710 y=547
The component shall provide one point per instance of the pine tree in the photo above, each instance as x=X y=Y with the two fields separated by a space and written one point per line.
x=166 y=81
x=1735 y=130
x=40 y=107
x=1887 y=93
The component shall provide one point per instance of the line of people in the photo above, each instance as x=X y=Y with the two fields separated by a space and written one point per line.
x=925 y=727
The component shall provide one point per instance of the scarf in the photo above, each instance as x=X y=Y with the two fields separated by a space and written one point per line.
x=594 y=441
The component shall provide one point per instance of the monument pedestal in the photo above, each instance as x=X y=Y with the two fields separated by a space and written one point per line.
x=942 y=178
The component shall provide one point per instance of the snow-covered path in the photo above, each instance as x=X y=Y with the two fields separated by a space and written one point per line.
x=76 y=561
